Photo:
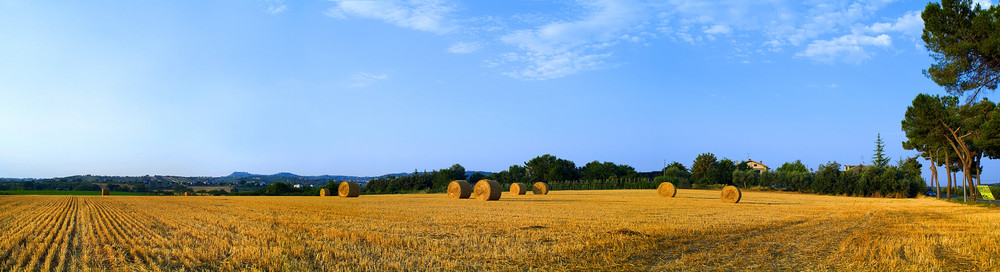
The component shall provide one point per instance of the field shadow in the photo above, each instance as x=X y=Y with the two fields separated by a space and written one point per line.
x=537 y=200
x=767 y=203
x=694 y=197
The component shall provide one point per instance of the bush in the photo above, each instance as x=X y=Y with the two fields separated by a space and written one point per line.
x=744 y=178
x=679 y=183
x=87 y=187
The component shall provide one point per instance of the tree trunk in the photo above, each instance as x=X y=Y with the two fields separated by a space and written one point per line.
x=955 y=177
x=947 y=169
x=979 y=170
x=965 y=156
x=934 y=176
x=971 y=182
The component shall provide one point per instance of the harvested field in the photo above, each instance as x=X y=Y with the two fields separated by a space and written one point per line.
x=564 y=230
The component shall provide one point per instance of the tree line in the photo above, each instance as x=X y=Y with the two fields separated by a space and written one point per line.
x=706 y=172
x=953 y=136
x=901 y=180
x=962 y=38
x=559 y=173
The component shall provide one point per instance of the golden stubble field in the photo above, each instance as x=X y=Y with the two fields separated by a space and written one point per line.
x=565 y=230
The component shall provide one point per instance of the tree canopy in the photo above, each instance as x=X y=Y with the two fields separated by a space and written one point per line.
x=964 y=41
x=790 y=167
x=934 y=123
x=549 y=168
x=701 y=166
x=676 y=169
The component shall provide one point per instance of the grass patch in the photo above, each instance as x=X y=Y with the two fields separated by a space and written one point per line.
x=57 y=192
x=958 y=200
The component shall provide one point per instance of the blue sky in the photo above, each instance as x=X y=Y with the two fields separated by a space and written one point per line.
x=204 y=88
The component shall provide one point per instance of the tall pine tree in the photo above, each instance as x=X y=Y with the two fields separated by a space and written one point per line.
x=879 y=159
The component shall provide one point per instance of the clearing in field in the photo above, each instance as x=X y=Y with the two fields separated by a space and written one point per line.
x=564 y=230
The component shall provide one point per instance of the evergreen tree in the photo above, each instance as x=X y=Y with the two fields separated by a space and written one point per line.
x=879 y=159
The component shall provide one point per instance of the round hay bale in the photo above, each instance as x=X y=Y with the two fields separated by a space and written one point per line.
x=486 y=190
x=458 y=189
x=325 y=192
x=518 y=188
x=731 y=194
x=349 y=189
x=540 y=188
x=666 y=189
x=187 y=193
x=105 y=192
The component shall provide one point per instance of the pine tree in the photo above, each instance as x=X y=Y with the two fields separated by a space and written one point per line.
x=879 y=159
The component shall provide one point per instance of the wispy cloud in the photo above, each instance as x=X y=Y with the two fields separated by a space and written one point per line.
x=362 y=80
x=848 y=48
x=856 y=47
x=588 y=38
x=465 y=47
x=718 y=29
x=566 y=47
x=909 y=24
x=274 y=7
x=423 y=15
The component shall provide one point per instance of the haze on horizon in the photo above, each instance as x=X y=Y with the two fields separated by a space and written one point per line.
x=366 y=88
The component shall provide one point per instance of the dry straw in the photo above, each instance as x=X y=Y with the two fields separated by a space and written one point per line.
x=486 y=190
x=667 y=189
x=518 y=188
x=349 y=189
x=325 y=192
x=731 y=194
x=540 y=188
x=459 y=189
x=105 y=192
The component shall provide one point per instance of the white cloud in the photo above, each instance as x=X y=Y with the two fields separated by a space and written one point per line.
x=909 y=24
x=550 y=66
x=848 y=48
x=718 y=29
x=465 y=47
x=423 y=15
x=273 y=7
x=983 y=3
x=824 y=19
x=275 y=10
x=362 y=80
x=587 y=36
x=567 y=47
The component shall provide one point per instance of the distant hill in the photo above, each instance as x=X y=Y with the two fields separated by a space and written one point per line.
x=286 y=175
x=239 y=175
x=234 y=178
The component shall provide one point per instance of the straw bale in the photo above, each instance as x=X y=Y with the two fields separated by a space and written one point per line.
x=486 y=190
x=666 y=189
x=518 y=188
x=349 y=189
x=459 y=189
x=731 y=194
x=540 y=188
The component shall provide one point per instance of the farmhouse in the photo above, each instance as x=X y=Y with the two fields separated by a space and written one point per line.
x=855 y=168
x=757 y=166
